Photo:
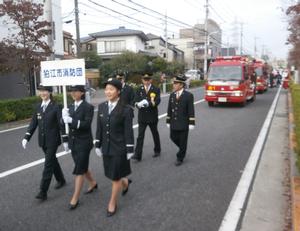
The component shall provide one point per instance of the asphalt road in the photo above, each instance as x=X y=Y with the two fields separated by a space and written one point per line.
x=194 y=196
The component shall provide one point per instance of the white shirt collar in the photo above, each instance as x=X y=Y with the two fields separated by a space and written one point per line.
x=113 y=103
x=179 y=92
x=147 y=88
x=45 y=102
x=77 y=103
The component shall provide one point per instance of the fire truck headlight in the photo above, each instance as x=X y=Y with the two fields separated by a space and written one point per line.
x=210 y=93
x=237 y=93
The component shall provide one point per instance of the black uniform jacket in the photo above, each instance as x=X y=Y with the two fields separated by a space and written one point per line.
x=127 y=95
x=148 y=114
x=181 y=112
x=48 y=123
x=114 y=132
x=82 y=134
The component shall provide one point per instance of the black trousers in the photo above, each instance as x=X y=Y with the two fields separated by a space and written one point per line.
x=141 y=135
x=51 y=166
x=180 y=138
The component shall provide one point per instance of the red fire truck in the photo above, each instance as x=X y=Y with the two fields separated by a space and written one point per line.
x=229 y=81
x=261 y=70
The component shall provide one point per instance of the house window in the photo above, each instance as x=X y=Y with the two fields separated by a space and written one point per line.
x=89 y=47
x=115 y=46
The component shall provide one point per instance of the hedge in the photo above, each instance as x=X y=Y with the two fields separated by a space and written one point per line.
x=18 y=109
x=295 y=92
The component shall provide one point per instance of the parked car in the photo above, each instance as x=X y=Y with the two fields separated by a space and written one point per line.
x=194 y=74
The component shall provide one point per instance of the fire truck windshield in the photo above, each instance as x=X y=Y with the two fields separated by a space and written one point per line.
x=259 y=71
x=225 y=73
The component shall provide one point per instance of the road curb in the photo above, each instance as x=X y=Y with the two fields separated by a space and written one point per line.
x=294 y=175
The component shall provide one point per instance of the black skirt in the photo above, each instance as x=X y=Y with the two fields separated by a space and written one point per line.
x=81 y=161
x=116 y=167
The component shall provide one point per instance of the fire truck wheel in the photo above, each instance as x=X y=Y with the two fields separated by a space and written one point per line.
x=210 y=104
x=253 y=98
x=243 y=104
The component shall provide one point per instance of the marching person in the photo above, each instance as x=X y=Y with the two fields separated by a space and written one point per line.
x=79 y=117
x=127 y=92
x=147 y=98
x=114 y=136
x=47 y=118
x=180 y=116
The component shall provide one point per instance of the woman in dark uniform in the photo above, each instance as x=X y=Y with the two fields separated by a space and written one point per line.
x=79 y=117
x=47 y=118
x=114 y=136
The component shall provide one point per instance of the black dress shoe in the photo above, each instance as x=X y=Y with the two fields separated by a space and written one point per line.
x=91 y=189
x=110 y=214
x=60 y=184
x=178 y=162
x=126 y=190
x=73 y=206
x=41 y=196
x=156 y=154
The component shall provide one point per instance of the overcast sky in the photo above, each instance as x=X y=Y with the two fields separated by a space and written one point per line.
x=263 y=21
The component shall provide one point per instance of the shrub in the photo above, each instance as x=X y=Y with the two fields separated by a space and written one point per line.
x=295 y=92
x=19 y=109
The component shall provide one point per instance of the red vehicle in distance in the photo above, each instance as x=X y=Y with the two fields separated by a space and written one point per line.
x=261 y=70
x=229 y=81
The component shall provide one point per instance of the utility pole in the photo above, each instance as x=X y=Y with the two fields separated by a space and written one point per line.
x=206 y=40
x=166 y=36
x=255 y=47
x=78 y=47
x=241 y=51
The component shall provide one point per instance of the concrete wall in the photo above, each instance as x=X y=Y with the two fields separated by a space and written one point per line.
x=12 y=86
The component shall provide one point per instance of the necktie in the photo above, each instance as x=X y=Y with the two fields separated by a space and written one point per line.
x=110 y=108
x=44 y=107
x=177 y=95
x=146 y=89
x=75 y=107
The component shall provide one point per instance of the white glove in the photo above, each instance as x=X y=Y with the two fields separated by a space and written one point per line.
x=191 y=127
x=129 y=155
x=24 y=143
x=66 y=146
x=139 y=104
x=145 y=103
x=98 y=152
x=67 y=119
x=168 y=125
x=65 y=112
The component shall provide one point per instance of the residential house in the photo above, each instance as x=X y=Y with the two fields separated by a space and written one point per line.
x=157 y=46
x=192 y=42
x=113 y=42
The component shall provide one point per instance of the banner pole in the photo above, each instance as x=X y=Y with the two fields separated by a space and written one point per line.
x=65 y=106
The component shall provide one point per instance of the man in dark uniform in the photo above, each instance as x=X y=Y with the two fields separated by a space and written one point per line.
x=127 y=92
x=180 y=116
x=47 y=118
x=147 y=98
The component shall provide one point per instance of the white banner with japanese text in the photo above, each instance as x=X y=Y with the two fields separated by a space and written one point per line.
x=63 y=72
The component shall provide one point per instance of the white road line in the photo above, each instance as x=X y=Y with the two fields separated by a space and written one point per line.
x=234 y=210
x=40 y=161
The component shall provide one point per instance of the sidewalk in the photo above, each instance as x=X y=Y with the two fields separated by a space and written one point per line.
x=268 y=207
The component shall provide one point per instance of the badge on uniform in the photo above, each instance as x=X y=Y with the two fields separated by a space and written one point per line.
x=39 y=116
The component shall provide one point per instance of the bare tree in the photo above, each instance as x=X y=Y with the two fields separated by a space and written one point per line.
x=294 y=38
x=25 y=46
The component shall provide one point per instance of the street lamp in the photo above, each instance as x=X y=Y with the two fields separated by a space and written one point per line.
x=206 y=44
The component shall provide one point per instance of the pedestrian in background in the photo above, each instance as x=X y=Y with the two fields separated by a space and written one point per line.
x=114 y=138
x=147 y=99
x=127 y=92
x=180 y=116
x=46 y=117
x=79 y=117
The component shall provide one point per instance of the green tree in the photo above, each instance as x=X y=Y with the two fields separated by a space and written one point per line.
x=92 y=60
x=175 y=68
